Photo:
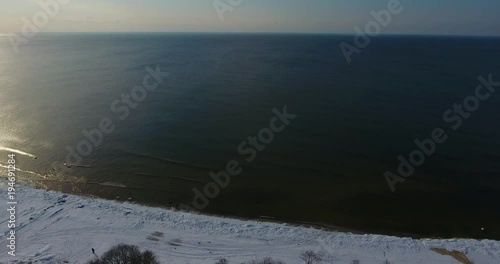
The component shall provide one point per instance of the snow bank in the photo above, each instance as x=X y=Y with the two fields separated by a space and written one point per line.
x=56 y=227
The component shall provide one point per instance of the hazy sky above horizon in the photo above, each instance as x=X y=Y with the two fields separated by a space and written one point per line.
x=457 y=17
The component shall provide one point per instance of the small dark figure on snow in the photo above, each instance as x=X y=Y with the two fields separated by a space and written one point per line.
x=93 y=251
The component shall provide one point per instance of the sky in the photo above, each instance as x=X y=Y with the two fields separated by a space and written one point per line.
x=441 y=17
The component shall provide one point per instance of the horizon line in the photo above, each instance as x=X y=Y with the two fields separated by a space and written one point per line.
x=256 y=32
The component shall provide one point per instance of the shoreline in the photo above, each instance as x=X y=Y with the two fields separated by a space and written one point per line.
x=57 y=227
x=265 y=219
x=236 y=216
x=268 y=219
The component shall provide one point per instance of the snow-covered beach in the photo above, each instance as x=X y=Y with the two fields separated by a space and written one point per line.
x=55 y=227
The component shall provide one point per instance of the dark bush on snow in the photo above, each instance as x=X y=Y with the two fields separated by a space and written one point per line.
x=266 y=261
x=222 y=261
x=126 y=254
x=310 y=257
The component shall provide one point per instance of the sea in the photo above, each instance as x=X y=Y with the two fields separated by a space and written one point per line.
x=345 y=161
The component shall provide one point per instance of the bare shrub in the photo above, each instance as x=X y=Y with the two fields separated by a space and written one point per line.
x=157 y=234
x=310 y=257
x=177 y=242
x=356 y=261
x=266 y=261
x=222 y=261
x=126 y=254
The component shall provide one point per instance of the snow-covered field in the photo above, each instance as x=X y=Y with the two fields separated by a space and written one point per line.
x=57 y=227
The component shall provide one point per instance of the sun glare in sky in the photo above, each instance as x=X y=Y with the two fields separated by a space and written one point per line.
x=461 y=17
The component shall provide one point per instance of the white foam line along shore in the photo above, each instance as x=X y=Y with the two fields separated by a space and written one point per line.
x=17 y=151
x=56 y=227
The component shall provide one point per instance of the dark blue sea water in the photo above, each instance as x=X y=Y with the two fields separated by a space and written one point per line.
x=327 y=167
